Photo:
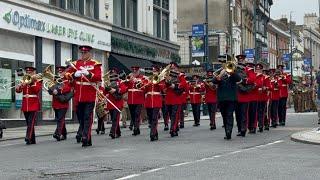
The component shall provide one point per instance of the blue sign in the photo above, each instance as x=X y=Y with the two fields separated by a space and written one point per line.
x=306 y=67
x=198 y=30
x=197 y=44
x=286 y=57
x=249 y=54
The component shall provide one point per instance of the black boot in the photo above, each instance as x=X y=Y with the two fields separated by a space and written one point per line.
x=78 y=137
x=261 y=129
x=213 y=127
x=112 y=135
x=152 y=138
x=166 y=127
x=1 y=133
x=98 y=131
x=103 y=131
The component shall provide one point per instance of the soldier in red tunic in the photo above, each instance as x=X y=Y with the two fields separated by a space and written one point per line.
x=211 y=98
x=184 y=102
x=275 y=96
x=30 y=102
x=60 y=102
x=175 y=85
x=266 y=98
x=114 y=92
x=135 y=98
x=196 y=87
x=286 y=81
x=86 y=73
x=153 y=102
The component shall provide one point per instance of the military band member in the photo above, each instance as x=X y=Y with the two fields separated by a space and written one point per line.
x=275 y=96
x=135 y=98
x=184 y=102
x=153 y=102
x=211 y=98
x=265 y=97
x=196 y=87
x=114 y=92
x=175 y=85
x=262 y=88
x=227 y=97
x=87 y=75
x=30 y=88
x=253 y=104
x=165 y=112
x=101 y=112
x=286 y=81
x=60 y=102
x=244 y=95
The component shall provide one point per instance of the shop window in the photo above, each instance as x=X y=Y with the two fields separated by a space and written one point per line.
x=161 y=19
x=125 y=13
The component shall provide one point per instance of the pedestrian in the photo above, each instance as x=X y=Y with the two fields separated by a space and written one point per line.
x=86 y=73
x=30 y=87
x=61 y=95
x=2 y=126
x=227 y=81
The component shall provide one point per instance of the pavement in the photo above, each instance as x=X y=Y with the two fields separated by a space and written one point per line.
x=309 y=137
x=47 y=130
x=197 y=153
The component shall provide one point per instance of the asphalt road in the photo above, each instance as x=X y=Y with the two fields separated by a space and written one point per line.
x=197 y=153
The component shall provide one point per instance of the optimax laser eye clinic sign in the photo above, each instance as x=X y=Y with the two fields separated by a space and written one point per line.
x=18 y=19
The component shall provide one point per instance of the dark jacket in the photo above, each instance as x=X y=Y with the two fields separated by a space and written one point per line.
x=227 y=87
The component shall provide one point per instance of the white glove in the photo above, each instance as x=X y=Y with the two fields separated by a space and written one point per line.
x=55 y=92
x=78 y=73
x=85 y=72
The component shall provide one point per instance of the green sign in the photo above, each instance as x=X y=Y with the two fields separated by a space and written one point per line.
x=5 y=92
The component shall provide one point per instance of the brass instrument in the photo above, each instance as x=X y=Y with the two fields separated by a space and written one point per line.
x=208 y=82
x=52 y=78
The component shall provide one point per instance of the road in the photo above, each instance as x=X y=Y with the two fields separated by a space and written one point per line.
x=197 y=153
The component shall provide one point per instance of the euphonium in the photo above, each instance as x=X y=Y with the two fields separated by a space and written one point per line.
x=53 y=79
x=230 y=67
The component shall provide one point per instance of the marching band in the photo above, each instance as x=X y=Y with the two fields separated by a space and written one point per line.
x=255 y=94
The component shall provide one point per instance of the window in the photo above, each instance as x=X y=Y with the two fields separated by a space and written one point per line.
x=125 y=13
x=89 y=8
x=161 y=19
x=72 y=5
x=55 y=3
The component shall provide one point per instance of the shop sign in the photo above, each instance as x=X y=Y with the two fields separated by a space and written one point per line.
x=15 y=18
x=5 y=94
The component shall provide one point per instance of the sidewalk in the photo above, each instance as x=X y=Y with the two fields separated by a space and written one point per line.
x=48 y=130
x=308 y=137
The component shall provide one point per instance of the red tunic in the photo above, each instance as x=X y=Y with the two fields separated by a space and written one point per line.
x=195 y=91
x=172 y=97
x=65 y=88
x=286 y=81
x=256 y=93
x=267 y=87
x=30 y=100
x=185 y=95
x=251 y=77
x=275 y=91
x=122 y=88
x=153 y=95
x=135 y=96
x=84 y=90
x=211 y=95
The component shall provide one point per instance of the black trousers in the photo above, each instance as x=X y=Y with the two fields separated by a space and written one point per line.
x=115 y=119
x=85 y=116
x=242 y=110
x=196 y=113
x=274 y=112
x=31 y=118
x=153 y=116
x=253 y=115
x=174 y=112
x=183 y=107
x=165 y=114
x=212 y=109
x=227 y=108
x=282 y=110
x=101 y=124
x=135 y=112
x=60 y=115
x=262 y=105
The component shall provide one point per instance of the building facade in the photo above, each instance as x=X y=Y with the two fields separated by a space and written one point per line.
x=41 y=33
x=247 y=25
x=143 y=32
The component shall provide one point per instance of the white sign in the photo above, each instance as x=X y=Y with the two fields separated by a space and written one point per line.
x=18 y=19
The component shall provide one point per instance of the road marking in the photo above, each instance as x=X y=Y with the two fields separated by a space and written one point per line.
x=129 y=177
x=6 y=145
x=121 y=150
x=200 y=160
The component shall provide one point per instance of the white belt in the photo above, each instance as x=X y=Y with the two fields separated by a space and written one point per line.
x=29 y=95
x=260 y=89
x=153 y=93
x=86 y=83
x=135 y=90
x=194 y=93
x=283 y=85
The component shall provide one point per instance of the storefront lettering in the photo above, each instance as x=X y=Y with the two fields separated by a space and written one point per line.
x=28 y=22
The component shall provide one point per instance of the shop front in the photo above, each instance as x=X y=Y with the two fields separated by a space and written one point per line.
x=31 y=37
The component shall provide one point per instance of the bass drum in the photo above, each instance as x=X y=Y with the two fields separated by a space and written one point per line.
x=100 y=111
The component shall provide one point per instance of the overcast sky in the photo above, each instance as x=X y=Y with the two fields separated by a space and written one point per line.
x=299 y=8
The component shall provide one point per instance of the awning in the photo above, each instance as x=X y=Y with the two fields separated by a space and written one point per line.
x=125 y=62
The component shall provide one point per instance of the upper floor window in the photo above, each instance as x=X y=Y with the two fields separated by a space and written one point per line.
x=73 y=5
x=89 y=8
x=125 y=13
x=55 y=3
x=161 y=19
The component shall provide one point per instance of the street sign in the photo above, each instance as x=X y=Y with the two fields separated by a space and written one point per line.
x=249 y=54
x=286 y=57
x=198 y=30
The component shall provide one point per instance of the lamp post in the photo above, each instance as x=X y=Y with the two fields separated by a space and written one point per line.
x=206 y=59
x=291 y=44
